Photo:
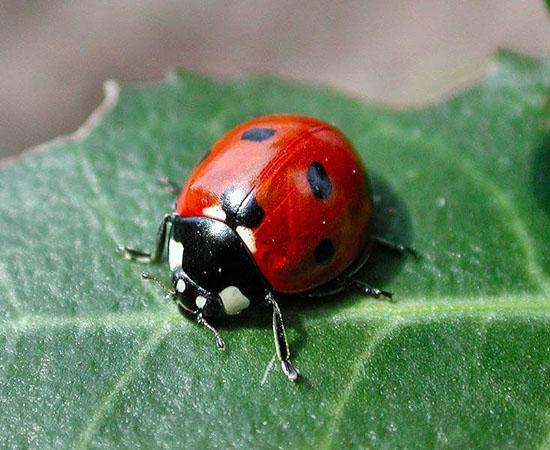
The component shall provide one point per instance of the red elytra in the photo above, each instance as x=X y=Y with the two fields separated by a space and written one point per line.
x=310 y=187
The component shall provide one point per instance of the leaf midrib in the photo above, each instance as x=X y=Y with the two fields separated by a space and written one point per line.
x=411 y=310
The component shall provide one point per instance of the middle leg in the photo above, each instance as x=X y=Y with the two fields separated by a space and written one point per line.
x=281 y=343
x=144 y=256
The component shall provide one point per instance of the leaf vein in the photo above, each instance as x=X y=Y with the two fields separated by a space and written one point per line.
x=103 y=207
x=506 y=207
x=407 y=311
x=11 y=297
x=372 y=345
x=507 y=210
x=151 y=345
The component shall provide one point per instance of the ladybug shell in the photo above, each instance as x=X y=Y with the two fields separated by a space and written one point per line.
x=294 y=190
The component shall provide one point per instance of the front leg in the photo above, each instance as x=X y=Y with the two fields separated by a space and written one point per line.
x=185 y=310
x=219 y=341
x=394 y=246
x=142 y=256
x=281 y=343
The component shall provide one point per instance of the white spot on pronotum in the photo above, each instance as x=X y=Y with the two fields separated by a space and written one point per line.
x=441 y=202
x=175 y=254
x=247 y=235
x=215 y=212
x=233 y=300
x=180 y=285
x=200 y=301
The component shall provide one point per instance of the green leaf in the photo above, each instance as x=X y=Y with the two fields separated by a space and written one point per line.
x=92 y=356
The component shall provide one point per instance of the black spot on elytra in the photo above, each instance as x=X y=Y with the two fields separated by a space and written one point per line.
x=241 y=209
x=250 y=214
x=324 y=251
x=319 y=181
x=257 y=134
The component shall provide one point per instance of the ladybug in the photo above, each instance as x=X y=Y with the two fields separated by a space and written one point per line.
x=280 y=205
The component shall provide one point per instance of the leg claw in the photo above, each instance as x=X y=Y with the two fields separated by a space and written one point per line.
x=290 y=371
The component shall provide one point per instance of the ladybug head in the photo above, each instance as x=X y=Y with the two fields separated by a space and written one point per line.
x=212 y=270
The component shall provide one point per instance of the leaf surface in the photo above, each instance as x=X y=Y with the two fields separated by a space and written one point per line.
x=93 y=357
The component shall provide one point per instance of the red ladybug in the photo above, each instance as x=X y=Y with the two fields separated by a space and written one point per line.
x=280 y=205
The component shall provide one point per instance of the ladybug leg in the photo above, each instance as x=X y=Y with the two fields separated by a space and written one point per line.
x=202 y=321
x=142 y=256
x=400 y=248
x=369 y=290
x=281 y=343
x=185 y=310
x=345 y=281
x=349 y=283
x=171 y=186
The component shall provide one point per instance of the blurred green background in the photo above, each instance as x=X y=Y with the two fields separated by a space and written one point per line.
x=55 y=55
